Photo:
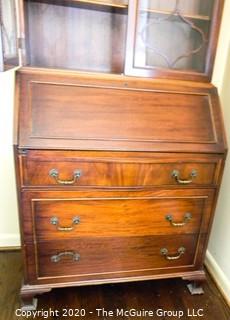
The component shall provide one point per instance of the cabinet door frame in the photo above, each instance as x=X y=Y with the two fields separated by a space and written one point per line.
x=14 y=62
x=1 y=53
x=156 y=72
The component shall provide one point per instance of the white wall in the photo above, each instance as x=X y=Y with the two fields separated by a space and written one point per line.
x=9 y=230
x=218 y=256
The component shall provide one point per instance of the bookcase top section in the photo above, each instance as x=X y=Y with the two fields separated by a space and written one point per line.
x=168 y=39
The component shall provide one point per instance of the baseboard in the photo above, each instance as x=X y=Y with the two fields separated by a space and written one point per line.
x=222 y=282
x=9 y=240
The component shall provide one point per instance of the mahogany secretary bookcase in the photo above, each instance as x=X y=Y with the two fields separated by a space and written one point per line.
x=120 y=144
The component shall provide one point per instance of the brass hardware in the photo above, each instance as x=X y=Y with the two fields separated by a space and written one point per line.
x=176 y=175
x=164 y=252
x=54 y=174
x=57 y=257
x=187 y=218
x=55 y=221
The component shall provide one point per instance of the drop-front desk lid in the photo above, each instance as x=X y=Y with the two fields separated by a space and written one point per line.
x=80 y=111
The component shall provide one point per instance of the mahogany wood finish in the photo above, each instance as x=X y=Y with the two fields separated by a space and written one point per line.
x=125 y=207
x=79 y=115
x=112 y=217
x=102 y=260
x=118 y=175
x=112 y=169
x=119 y=213
x=114 y=255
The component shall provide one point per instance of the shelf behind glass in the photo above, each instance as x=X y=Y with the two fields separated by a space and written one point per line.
x=122 y=4
x=168 y=13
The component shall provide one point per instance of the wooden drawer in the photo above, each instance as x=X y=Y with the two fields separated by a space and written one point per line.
x=111 y=214
x=110 y=217
x=92 y=256
x=58 y=168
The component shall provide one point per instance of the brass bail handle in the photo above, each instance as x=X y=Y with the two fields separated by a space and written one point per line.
x=57 y=257
x=55 y=221
x=55 y=174
x=176 y=174
x=187 y=218
x=164 y=252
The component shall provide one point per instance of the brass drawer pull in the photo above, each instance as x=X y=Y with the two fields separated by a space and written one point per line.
x=187 y=218
x=55 y=221
x=176 y=175
x=57 y=257
x=164 y=252
x=55 y=174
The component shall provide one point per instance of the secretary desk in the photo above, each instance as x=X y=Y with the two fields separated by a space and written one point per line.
x=119 y=138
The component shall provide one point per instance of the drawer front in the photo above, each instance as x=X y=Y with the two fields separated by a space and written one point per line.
x=72 y=169
x=93 y=256
x=62 y=214
x=55 y=218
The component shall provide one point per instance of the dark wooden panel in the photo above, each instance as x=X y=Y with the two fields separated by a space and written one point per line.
x=113 y=255
x=114 y=171
x=110 y=213
x=76 y=35
x=56 y=115
x=72 y=112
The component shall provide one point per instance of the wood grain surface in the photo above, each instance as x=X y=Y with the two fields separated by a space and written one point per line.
x=121 y=217
x=169 y=294
x=111 y=213
x=127 y=170
x=121 y=116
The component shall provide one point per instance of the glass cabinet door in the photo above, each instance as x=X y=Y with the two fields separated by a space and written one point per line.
x=8 y=35
x=171 y=38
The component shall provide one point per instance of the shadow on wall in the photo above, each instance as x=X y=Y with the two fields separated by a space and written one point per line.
x=221 y=228
x=225 y=95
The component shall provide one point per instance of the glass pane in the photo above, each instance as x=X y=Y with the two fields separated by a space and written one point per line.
x=8 y=30
x=172 y=34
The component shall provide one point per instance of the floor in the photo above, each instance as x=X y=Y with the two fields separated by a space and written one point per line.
x=161 y=299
